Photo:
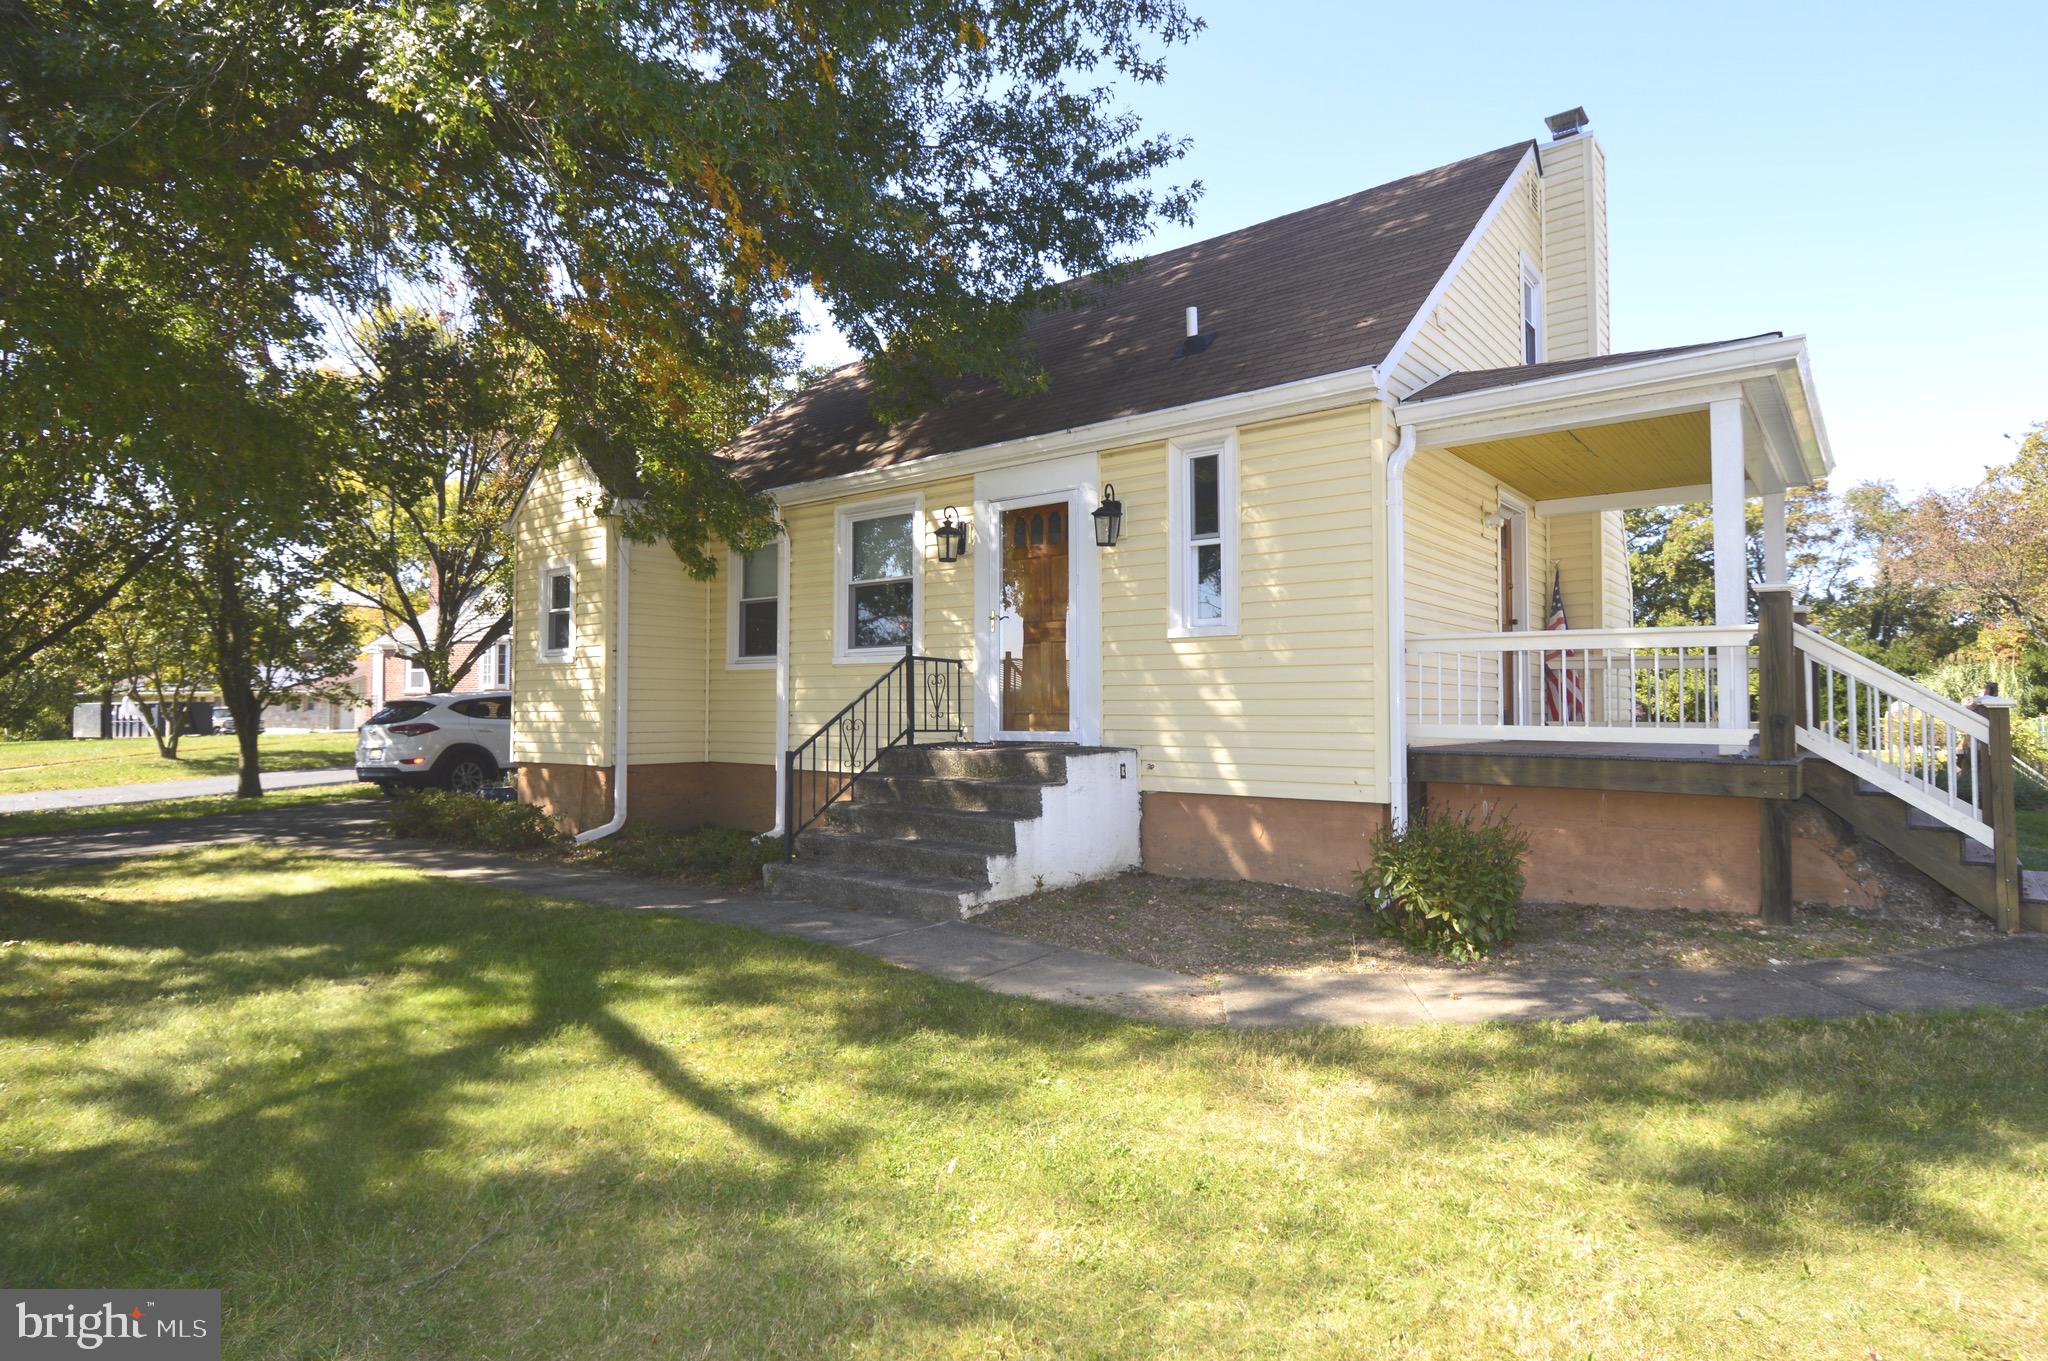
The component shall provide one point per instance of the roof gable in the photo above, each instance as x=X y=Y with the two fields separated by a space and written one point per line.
x=1318 y=291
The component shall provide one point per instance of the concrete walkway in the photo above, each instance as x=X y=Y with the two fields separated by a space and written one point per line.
x=2011 y=972
x=45 y=800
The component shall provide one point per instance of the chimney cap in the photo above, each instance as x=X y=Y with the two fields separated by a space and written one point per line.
x=1567 y=124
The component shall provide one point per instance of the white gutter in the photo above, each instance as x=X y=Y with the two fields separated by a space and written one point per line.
x=1397 y=627
x=619 y=668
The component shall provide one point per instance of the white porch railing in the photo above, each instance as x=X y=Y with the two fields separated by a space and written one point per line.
x=1900 y=736
x=1686 y=685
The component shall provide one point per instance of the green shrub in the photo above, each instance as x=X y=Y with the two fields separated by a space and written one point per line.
x=1451 y=885
x=722 y=855
x=466 y=820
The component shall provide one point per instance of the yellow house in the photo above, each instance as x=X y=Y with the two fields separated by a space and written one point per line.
x=1282 y=529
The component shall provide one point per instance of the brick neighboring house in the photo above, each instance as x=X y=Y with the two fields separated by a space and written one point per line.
x=384 y=671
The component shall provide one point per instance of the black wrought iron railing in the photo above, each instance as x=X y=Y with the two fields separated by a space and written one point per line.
x=917 y=696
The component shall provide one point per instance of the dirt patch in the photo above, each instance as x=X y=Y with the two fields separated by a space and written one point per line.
x=1210 y=927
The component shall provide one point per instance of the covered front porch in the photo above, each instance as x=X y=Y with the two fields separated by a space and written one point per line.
x=1732 y=709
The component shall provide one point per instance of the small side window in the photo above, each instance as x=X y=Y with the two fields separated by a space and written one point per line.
x=557 y=613
x=416 y=682
x=1532 y=314
x=1203 y=570
x=757 y=579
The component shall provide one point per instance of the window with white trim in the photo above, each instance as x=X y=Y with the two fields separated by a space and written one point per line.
x=1202 y=573
x=1532 y=313
x=557 y=613
x=416 y=682
x=501 y=666
x=878 y=579
x=756 y=605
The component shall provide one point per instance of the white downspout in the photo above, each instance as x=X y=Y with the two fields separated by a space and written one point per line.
x=1397 y=626
x=621 y=747
x=784 y=596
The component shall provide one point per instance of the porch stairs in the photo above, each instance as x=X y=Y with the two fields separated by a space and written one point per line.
x=1962 y=866
x=940 y=832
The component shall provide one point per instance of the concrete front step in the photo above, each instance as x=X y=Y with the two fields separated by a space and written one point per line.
x=915 y=822
x=890 y=855
x=1015 y=797
x=1017 y=762
x=867 y=890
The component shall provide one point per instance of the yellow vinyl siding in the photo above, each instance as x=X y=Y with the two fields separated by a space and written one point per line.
x=1590 y=549
x=670 y=639
x=561 y=711
x=1288 y=707
x=1477 y=324
x=1454 y=573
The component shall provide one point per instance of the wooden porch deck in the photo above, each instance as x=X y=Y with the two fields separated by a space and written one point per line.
x=1657 y=768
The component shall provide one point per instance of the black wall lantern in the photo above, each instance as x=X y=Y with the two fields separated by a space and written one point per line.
x=952 y=537
x=1109 y=518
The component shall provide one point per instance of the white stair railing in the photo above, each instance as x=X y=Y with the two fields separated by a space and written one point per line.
x=1900 y=736
x=1687 y=685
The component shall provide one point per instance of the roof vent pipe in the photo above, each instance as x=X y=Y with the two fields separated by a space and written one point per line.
x=1194 y=326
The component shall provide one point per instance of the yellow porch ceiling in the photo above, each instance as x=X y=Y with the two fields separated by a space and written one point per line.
x=1598 y=460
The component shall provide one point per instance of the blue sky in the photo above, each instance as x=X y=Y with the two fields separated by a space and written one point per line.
x=1874 y=176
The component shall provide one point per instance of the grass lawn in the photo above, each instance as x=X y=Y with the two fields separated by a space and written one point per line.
x=392 y=1116
x=2033 y=837
x=171 y=810
x=28 y=767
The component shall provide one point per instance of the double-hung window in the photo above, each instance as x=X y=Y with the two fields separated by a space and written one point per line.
x=557 y=613
x=1202 y=573
x=416 y=681
x=879 y=578
x=756 y=608
x=501 y=666
x=1532 y=313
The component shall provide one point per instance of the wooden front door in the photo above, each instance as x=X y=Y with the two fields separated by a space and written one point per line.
x=1031 y=620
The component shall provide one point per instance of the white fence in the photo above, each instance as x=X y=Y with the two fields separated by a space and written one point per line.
x=1688 y=685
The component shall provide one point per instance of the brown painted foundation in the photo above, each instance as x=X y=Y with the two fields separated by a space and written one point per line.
x=1310 y=843
x=676 y=795
x=1639 y=849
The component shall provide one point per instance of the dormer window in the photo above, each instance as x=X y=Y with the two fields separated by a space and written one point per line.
x=1532 y=313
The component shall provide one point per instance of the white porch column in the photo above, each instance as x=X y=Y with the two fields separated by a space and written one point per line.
x=1731 y=556
x=1774 y=538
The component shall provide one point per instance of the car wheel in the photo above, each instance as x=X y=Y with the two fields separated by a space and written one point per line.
x=466 y=774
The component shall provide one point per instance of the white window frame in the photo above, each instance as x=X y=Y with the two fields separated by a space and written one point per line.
x=842 y=575
x=555 y=567
x=1531 y=298
x=1181 y=578
x=735 y=630
x=501 y=658
x=417 y=682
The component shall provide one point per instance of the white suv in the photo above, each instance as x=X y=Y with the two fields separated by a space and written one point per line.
x=449 y=741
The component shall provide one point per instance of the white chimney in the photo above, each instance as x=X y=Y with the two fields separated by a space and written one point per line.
x=1574 y=206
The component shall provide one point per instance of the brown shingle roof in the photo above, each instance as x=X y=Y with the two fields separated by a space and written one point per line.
x=1477 y=380
x=1315 y=292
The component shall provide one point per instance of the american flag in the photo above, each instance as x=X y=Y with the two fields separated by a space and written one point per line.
x=1564 y=694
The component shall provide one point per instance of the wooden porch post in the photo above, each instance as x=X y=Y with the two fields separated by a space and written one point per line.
x=1995 y=784
x=1777 y=740
x=1731 y=561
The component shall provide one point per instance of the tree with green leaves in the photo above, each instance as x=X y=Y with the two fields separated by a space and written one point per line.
x=1985 y=547
x=635 y=189
x=1837 y=559
x=156 y=652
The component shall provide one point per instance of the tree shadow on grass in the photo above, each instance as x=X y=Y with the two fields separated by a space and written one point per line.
x=340 y=1114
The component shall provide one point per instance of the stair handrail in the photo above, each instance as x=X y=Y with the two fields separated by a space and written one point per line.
x=1894 y=732
x=917 y=694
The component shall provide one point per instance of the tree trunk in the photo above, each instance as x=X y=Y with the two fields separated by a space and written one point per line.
x=232 y=653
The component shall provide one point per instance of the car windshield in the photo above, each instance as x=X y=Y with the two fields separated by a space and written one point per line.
x=399 y=710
